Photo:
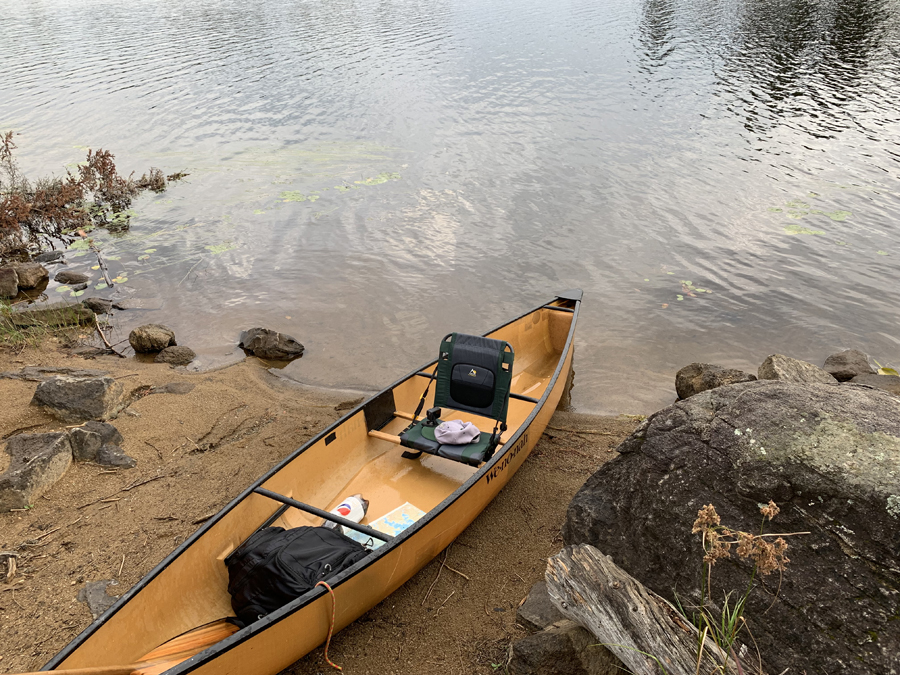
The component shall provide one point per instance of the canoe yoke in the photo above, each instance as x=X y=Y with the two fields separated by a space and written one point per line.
x=473 y=374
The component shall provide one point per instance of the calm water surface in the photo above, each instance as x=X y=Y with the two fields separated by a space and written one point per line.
x=368 y=176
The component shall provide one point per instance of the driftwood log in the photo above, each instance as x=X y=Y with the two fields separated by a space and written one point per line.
x=642 y=629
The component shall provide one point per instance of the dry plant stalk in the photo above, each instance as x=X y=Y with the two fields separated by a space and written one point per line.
x=52 y=209
x=767 y=557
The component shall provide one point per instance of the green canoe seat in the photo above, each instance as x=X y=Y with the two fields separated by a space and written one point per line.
x=473 y=374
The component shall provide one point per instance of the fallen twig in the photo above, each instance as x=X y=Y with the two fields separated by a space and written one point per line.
x=203 y=519
x=189 y=272
x=458 y=572
x=11 y=557
x=440 y=569
x=124 y=489
x=595 y=432
x=121 y=566
x=102 y=264
x=105 y=341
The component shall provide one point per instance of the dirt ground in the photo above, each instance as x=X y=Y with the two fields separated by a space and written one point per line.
x=198 y=450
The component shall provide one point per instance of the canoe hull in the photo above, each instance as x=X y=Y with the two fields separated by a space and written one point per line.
x=283 y=643
x=187 y=589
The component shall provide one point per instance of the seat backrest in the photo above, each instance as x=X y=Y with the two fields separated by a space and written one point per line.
x=474 y=374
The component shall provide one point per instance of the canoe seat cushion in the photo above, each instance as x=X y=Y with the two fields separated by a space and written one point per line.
x=420 y=436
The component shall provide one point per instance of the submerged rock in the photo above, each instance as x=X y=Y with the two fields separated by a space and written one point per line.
x=699 y=377
x=786 y=369
x=37 y=461
x=828 y=455
x=269 y=344
x=50 y=257
x=100 y=305
x=31 y=275
x=69 y=277
x=848 y=364
x=151 y=337
x=76 y=399
x=177 y=356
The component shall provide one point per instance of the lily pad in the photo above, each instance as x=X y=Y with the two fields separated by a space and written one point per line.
x=63 y=289
x=101 y=286
x=799 y=229
x=221 y=248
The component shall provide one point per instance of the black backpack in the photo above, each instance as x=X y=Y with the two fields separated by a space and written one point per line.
x=275 y=566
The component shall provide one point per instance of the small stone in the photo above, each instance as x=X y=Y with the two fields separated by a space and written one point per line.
x=37 y=461
x=31 y=275
x=699 y=377
x=152 y=337
x=49 y=257
x=538 y=611
x=67 y=277
x=848 y=364
x=9 y=282
x=889 y=383
x=177 y=356
x=786 y=369
x=269 y=344
x=112 y=455
x=98 y=305
x=76 y=399
x=90 y=437
x=79 y=287
x=95 y=596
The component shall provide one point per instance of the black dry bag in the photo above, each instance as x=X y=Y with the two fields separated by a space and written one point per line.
x=275 y=566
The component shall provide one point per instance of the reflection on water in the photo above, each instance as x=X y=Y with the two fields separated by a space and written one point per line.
x=719 y=177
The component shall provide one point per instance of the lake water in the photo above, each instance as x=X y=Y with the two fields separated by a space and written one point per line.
x=368 y=176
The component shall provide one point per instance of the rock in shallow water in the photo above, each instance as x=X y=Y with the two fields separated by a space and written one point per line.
x=699 y=377
x=68 y=277
x=786 y=369
x=848 y=364
x=49 y=257
x=53 y=314
x=151 y=337
x=828 y=455
x=31 y=275
x=269 y=344
x=76 y=399
x=177 y=356
x=37 y=461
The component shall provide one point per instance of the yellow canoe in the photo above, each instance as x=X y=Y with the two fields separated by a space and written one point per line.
x=173 y=620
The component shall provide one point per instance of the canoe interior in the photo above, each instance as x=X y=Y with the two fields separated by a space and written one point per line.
x=191 y=593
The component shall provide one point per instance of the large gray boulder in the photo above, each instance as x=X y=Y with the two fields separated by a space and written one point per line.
x=699 y=377
x=31 y=275
x=786 y=369
x=76 y=399
x=270 y=344
x=828 y=455
x=9 y=283
x=36 y=462
x=848 y=364
x=150 y=338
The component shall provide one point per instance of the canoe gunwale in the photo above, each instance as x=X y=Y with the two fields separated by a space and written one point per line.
x=278 y=615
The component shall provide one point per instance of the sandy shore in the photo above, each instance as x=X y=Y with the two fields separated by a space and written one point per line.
x=198 y=450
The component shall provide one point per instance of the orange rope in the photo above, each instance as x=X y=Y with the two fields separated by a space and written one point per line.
x=330 y=625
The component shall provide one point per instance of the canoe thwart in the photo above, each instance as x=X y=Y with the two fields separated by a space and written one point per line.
x=365 y=529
